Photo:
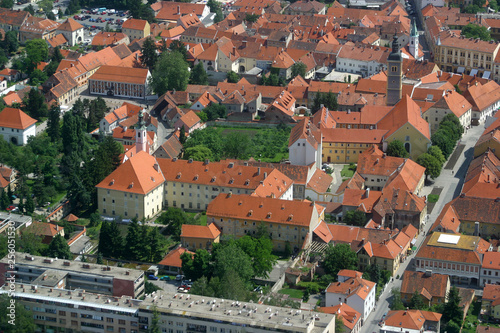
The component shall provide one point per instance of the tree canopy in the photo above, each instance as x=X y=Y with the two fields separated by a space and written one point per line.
x=299 y=68
x=355 y=217
x=232 y=77
x=171 y=72
x=472 y=30
x=149 y=54
x=396 y=148
x=199 y=75
x=22 y=320
x=328 y=100
x=431 y=164
x=339 y=257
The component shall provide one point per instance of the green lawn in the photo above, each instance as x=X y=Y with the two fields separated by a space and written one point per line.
x=201 y=219
x=346 y=172
x=433 y=198
x=471 y=321
x=294 y=293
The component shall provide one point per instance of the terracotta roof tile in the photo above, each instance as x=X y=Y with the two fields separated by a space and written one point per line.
x=410 y=319
x=349 y=316
x=200 y=231
x=434 y=284
x=57 y=40
x=259 y=209
x=15 y=118
x=273 y=186
x=121 y=74
x=70 y=25
x=353 y=286
x=104 y=38
x=354 y=135
x=173 y=258
x=134 y=24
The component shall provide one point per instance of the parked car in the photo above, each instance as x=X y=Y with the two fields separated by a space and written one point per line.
x=165 y=278
x=152 y=277
x=179 y=277
x=10 y=208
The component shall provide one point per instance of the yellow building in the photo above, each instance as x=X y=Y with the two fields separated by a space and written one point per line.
x=134 y=189
x=490 y=140
x=286 y=221
x=343 y=145
x=453 y=53
x=405 y=123
x=136 y=29
x=451 y=102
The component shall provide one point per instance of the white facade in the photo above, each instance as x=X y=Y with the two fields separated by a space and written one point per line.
x=363 y=306
x=18 y=136
x=490 y=276
x=73 y=37
x=487 y=112
x=365 y=68
x=105 y=127
x=302 y=152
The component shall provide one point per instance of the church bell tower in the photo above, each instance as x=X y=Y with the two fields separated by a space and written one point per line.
x=394 y=74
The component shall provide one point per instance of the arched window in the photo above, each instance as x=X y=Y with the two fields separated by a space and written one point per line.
x=407 y=146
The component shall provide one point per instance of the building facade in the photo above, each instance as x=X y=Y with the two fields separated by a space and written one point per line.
x=120 y=82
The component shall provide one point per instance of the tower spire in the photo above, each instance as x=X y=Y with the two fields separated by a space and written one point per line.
x=394 y=74
x=141 y=141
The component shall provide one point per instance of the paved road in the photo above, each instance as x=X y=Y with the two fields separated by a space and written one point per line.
x=451 y=181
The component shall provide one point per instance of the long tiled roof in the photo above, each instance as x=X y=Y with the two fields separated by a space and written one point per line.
x=435 y=284
x=200 y=231
x=121 y=74
x=15 y=118
x=259 y=209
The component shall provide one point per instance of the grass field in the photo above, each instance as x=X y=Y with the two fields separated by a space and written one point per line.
x=346 y=172
x=433 y=198
x=294 y=293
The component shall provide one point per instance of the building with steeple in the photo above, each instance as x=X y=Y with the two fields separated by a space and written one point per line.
x=413 y=45
x=394 y=74
x=141 y=140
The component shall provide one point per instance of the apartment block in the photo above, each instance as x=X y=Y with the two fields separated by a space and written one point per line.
x=58 y=273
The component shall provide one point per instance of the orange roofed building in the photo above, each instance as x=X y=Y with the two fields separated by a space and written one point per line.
x=354 y=291
x=411 y=321
x=16 y=126
x=120 y=81
x=195 y=237
x=351 y=319
x=172 y=262
x=286 y=220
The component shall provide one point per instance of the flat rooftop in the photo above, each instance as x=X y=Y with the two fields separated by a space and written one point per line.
x=462 y=242
x=19 y=220
x=186 y=305
x=25 y=259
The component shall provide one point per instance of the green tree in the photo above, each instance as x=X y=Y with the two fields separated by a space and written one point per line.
x=182 y=135
x=306 y=295
x=21 y=322
x=328 y=100
x=37 y=51
x=99 y=260
x=194 y=267
x=299 y=68
x=396 y=148
x=7 y=4
x=339 y=325
x=174 y=218
x=178 y=46
x=355 y=217
x=431 y=164
x=10 y=43
x=156 y=245
x=417 y=302
x=133 y=242
x=34 y=104
x=396 y=302
x=198 y=153
x=149 y=54
x=232 y=77
x=452 y=311
x=105 y=240
x=215 y=8
x=437 y=153
x=444 y=142
x=53 y=123
x=252 y=18
x=171 y=72
x=373 y=273
x=339 y=257
x=215 y=111
x=155 y=321
x=58 y=248
x=237 y=145
x=451 y=327
x=116 y=240
x=3 y=58
x=260 y=251
x=472 y=30
x=273 y=80
x=233 y=258
x=199 y=75
x=29 y=205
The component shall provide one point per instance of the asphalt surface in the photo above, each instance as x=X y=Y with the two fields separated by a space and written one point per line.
x=451 y=181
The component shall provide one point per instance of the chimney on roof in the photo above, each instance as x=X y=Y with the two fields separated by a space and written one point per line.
x=178 y=10
x=476 y=228
x=156 y=166
x=367 y=193
x=207 y=161
x=229 y=194
x=258 y=171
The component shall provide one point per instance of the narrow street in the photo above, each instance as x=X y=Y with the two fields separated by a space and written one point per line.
x=451 y=182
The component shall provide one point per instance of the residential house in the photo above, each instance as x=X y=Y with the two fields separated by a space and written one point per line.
x=411 y=321
x=282 y=109
x=306 y=8
x=12 y=19
x=433 y=288
x=72 y=31
x=190 y=121
x=479 y=213
x=490 y=302
x=351 y=319
x=485 y=100
x=61 y=88
x=7 y=178
x=37 y=28
x=120 y=81
x=447 y=221
x=10 y=74
x=128 y=137
x=491 y=269
x=168 y=11
x=46 y=230
x=172 y=148
x=305 y=144
x=283 y=63
x=57 y=40
x=16 y=126
x=189 y=20
x=451 y=102
x=488 y=141
x=356 y=292
x=458 y=256
x=195 y=237
x=362 y=60
x=203 y=101
x=287 y=221
x=222 y=56
x=104 y=38
x=172 y=262
x=136 y=29
x=113 y=119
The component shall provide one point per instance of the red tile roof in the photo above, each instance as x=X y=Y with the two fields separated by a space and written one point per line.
x=200 y=231
x=349 y=316
x=353 y=286
x=434 y=285
x=411 y=319
x=259 y=209
x=173 y=258
x=15 y=118
x=70 y=25
x=354 y=135
x=135 y=24
x=121 y=74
